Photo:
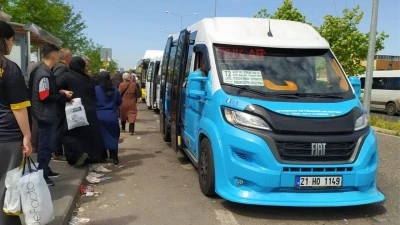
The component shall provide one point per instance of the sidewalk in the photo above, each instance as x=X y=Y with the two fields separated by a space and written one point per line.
x=65 y=191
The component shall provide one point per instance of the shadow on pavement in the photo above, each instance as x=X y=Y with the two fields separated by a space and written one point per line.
x=306 y=214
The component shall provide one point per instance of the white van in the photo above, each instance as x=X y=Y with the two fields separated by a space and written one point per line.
x=149 y=55
x=385 y=93
x=153 y=84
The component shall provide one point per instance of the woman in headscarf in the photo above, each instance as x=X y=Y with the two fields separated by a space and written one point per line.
x=15 y=135
x=82 y=142
x=128 y=109
x=108 y=100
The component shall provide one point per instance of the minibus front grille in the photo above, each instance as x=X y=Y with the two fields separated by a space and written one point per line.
x=316 y=169
x=302 y=151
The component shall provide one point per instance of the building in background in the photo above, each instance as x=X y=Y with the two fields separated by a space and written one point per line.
x=385 y=62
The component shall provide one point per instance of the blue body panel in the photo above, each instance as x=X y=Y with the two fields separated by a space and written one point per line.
x=239 y=154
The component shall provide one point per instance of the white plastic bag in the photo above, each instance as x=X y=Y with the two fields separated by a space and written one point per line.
x=36 y=202
x=12 y=200
x=75 y=114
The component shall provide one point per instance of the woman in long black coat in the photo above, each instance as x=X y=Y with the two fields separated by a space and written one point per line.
x=82 y=142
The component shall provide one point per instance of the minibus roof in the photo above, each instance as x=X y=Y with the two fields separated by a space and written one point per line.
x=384 y=73
x=151 y=54
x=254 y=32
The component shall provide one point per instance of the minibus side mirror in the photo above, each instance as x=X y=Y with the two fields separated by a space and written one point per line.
x=196 y=82
x=356 y=83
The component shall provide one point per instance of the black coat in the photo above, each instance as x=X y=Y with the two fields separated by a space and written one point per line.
x=88 y=138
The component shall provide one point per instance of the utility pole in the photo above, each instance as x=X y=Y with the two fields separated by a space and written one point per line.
x=215 y=9
x=371 y=57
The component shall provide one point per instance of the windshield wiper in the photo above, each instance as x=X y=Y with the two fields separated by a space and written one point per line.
x=242 y=88
x=306 y=95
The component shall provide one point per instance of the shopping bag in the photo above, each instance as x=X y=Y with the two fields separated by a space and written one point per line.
x=75 y=114
x=36 y=202
x=12 y=199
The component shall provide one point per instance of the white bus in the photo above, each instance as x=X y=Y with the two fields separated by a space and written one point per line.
x=385 y=93
x=153 y=83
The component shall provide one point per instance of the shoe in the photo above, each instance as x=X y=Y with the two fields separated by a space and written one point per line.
x=53 y=174
x=81 y=159
x=114 y=157
x=61 y=158
x=49 y=182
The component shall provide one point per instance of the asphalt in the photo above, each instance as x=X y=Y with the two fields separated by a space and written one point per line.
x=131 y=195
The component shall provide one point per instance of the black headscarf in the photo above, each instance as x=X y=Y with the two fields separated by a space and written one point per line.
x=78 y=65
x=105 y=82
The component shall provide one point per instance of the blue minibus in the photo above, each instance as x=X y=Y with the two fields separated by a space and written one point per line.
x=267 y=115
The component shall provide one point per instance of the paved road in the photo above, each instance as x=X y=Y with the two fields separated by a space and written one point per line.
x=158 y=186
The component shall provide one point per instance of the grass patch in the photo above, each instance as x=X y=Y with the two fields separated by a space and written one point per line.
x=380 y=122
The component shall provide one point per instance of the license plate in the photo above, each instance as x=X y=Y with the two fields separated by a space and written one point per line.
x=330 y=181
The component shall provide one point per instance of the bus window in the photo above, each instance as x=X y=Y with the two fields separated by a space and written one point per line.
x=190 y=53
x=172 y=56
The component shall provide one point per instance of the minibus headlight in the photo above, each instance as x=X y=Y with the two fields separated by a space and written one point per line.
x=235 y=117
x=361 y=122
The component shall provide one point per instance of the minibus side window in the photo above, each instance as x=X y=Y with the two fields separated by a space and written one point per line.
x=149 y=71
x=380 y=83
x=394 y=83
x=190 y=53
x=172 y=56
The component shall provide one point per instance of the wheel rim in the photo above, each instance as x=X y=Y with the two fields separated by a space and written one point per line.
x=204 y=166
x=391 y=108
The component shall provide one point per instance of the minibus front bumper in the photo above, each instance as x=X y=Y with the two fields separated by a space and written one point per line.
x=248 y=172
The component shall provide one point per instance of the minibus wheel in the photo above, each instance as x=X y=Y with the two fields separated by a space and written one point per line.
x=206 y=168
x=391 y=108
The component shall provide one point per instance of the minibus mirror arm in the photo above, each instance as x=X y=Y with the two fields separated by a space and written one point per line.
x=356 y=83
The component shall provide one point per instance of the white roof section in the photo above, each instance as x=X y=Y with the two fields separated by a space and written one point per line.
x=151 y=54
x=384 y=73
x=254 y=32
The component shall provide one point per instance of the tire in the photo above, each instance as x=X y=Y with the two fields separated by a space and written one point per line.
x=391 y=109
x=206 y=168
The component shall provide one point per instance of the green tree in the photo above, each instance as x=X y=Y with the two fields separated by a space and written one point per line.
x=288 y=12
x=347 y=42
x=93 y=52
x=262 y=14
x=54 y=16
x=285 y=12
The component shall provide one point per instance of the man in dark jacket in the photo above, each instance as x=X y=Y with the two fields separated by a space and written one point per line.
x=59 y=69
x=46 y=100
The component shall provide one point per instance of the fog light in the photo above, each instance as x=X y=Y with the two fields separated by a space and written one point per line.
x=240 y=182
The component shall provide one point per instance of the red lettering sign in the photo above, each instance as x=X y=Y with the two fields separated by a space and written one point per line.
x=240 y=53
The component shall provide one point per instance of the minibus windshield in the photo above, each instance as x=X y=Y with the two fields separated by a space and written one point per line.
x=281 y=73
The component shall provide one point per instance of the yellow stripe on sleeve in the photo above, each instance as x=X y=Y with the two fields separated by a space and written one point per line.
x=20 y=105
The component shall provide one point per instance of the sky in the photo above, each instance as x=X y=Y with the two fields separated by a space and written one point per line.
x=130 y=27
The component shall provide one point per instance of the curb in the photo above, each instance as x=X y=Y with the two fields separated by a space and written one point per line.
x=69 y=211
x=66 y=192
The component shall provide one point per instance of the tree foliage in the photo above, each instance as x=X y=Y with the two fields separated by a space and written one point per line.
x=93 y=52
x=262 y=14
x=285 y=12
x=59 y=19
x=347 y=42
x=54 y=16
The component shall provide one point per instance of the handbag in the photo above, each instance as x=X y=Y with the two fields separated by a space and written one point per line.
x=12 y=199
x=75 y=114
x=36 y=202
